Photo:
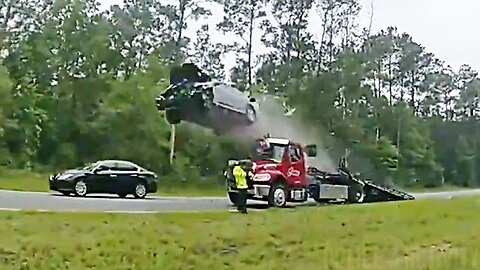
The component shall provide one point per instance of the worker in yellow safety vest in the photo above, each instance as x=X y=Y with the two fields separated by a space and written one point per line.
x=241 y=172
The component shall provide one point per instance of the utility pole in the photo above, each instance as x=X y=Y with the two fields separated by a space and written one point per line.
x=172 y=145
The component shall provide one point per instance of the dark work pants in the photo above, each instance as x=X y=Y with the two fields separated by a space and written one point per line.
x=242 y=200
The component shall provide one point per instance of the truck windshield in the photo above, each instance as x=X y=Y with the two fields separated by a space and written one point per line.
x=275 y=152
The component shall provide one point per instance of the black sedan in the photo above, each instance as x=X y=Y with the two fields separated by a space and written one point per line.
x=106 y=176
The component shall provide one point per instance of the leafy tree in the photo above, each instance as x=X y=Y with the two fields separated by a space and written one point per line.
x=207 y=55
x=465 y=159
x=241 y=18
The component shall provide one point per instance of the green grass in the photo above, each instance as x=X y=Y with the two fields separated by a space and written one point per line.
x=435 y=235
x=32 y=181
x=23 y=180
x=446 y=187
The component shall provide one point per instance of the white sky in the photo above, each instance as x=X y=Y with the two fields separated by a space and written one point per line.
x=447 y=28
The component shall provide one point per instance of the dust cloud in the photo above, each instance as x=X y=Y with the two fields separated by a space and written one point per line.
x=272 y=119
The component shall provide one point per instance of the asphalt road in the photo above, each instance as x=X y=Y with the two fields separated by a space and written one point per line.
x=39 y=201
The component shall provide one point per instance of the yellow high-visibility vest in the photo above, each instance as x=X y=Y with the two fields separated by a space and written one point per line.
x=240 y=177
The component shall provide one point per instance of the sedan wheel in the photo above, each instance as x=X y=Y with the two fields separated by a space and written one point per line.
x=140 y=190
x=80 y=188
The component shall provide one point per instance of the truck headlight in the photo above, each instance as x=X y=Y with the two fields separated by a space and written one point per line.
x=262 y=177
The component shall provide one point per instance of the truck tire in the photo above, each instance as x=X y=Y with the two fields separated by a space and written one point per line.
x=356 y=194
x=232 y=196
x=314 y=191
x=278 y=196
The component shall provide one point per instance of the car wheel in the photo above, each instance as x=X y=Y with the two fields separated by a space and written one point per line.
x=173 y=116
x=80 y=188
x=140 y=190
x=251 y=114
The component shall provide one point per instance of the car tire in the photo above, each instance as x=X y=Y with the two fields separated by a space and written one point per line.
x=173 y=116
x=278 y=196
x=80 y=188
x=251 y=114
x=140 y=190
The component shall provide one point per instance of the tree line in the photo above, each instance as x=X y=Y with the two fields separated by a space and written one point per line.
x=78 y=84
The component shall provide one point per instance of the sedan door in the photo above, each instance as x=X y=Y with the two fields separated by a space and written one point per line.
x=126 y=178
x=100 y=180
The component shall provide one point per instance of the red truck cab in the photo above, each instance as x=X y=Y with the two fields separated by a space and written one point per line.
x=280 y=172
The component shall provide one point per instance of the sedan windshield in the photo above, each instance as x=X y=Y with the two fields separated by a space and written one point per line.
x=90 y=166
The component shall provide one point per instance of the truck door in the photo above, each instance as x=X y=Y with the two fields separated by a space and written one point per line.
x=296 y=170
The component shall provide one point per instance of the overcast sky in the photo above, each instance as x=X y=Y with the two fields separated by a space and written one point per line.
x=448 y=28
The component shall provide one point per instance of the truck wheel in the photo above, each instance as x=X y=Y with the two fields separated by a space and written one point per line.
x=277 y=196
x=233 y=197
x=356 y=194
x=314 y=191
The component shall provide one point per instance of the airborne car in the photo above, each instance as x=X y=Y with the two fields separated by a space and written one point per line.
x=193 y=96
x=106 y=176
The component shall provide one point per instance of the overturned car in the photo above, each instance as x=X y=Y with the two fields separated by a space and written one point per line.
x=194 y=97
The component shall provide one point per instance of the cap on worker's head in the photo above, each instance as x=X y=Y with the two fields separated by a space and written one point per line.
x=233 y=162
x=247 y=163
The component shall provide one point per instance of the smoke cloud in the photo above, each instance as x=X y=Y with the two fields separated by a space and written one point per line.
x=272 y=119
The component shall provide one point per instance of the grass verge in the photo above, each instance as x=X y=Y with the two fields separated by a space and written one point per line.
x=435 y=235
x=23 y=181
x=33 y=181
x=435 y=189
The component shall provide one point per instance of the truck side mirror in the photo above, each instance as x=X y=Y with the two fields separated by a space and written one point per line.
x=311 y=150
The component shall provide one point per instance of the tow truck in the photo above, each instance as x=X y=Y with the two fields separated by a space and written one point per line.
x=281 y=175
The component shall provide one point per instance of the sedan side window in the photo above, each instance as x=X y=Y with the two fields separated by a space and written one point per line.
x=106 y=167
x=102 y=168
x=125 y=167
